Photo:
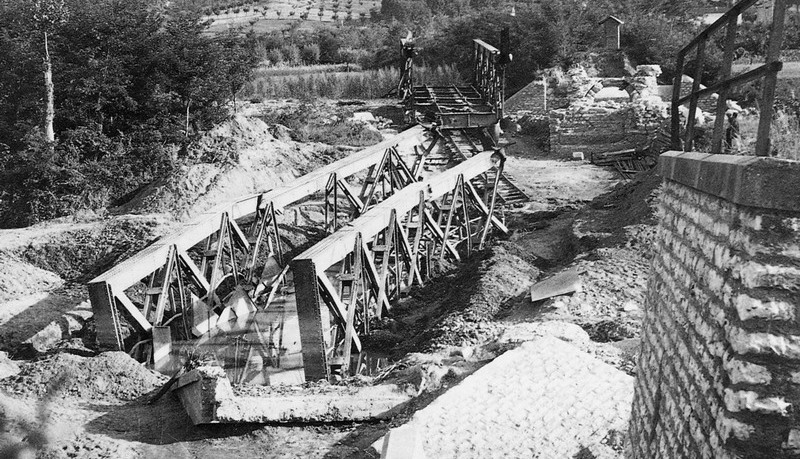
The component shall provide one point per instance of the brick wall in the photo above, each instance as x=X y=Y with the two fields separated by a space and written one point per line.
x=603 y=127
x=719 y=369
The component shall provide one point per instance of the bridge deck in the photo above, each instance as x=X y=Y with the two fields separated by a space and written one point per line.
x=454 y=106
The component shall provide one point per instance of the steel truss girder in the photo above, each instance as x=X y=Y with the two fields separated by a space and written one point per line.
x=383 y=180
x=434 y=214
x=171 y=273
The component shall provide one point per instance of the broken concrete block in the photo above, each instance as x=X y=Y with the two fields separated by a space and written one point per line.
x=67 y=326
x=7 y=366
x=631 y=306
x=565 y=331
x=565 y=282
x=243 y=307
x=403 y=442
x=76 y=320
x=208 y=397
x=204 y=319
x=45 y=339
x=162 y=350
x=364 y=117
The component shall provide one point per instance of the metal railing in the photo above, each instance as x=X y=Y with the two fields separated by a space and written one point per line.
x=768 y=71
x=488 y=75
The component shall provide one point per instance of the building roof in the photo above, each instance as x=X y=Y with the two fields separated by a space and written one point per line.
x=612 y=18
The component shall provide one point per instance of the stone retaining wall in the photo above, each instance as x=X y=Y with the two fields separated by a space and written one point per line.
x=719 y=369
x=604 y=127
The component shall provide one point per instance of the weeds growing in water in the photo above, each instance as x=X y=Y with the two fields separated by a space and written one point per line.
x=306 y=83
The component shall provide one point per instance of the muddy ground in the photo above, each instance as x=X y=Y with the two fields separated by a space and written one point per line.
x=70 y=403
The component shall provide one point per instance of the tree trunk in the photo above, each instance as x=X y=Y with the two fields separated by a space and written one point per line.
x=50 y=111
x=188 y=104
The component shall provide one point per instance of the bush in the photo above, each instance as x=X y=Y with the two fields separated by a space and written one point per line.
x=291 y=54
x=87 y=170
x=275 y=56
x=310 y=53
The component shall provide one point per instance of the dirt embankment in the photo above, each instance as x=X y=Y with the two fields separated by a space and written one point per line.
x=108 y=377
x=18 y=278
x=458 y=308
x=235 y=159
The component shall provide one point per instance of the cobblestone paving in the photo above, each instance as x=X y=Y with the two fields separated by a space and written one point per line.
x=545 y=399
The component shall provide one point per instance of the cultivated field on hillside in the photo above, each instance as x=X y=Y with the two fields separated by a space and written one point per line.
x=268 y=15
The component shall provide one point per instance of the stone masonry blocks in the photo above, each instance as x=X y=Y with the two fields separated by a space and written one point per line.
x=719 y=368
x=603 y=127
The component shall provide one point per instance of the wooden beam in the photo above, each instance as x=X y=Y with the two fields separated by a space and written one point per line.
x=106 y=316
x=193 y=272
x=476 y=198
x=767 y=102
x=725 y=73
x=351 y=308
x=150 y=259
x=312 y=339
x=338 y=308
x=132 y=312
x=336 y=246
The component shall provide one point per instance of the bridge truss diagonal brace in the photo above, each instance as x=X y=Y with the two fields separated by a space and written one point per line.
x=382 y=220
x=263 y=205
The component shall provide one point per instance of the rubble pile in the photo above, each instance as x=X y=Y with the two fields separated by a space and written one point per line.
x=108 y=377
x=575 y=86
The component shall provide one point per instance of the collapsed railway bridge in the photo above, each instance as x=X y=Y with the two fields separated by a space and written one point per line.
x=224 y=288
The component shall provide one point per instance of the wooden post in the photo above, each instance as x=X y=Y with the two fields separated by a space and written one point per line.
x=725 y=73
x=698 y=73
x=312 y=340
x=499 y=173
x=415 y=248
x=677 y=82
x=763 y=144
x=352 y=306
x=453 y=197
x=106 y=316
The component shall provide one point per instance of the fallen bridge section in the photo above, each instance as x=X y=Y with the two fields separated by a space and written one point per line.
x=167 y=261
x=209 y=398
x=382 y=253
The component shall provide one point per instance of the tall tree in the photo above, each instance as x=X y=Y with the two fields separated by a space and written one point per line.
x=237 y=60
x=47 y=15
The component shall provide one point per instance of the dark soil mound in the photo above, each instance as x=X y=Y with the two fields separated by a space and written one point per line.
x=459 y=308
x=109 y=377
